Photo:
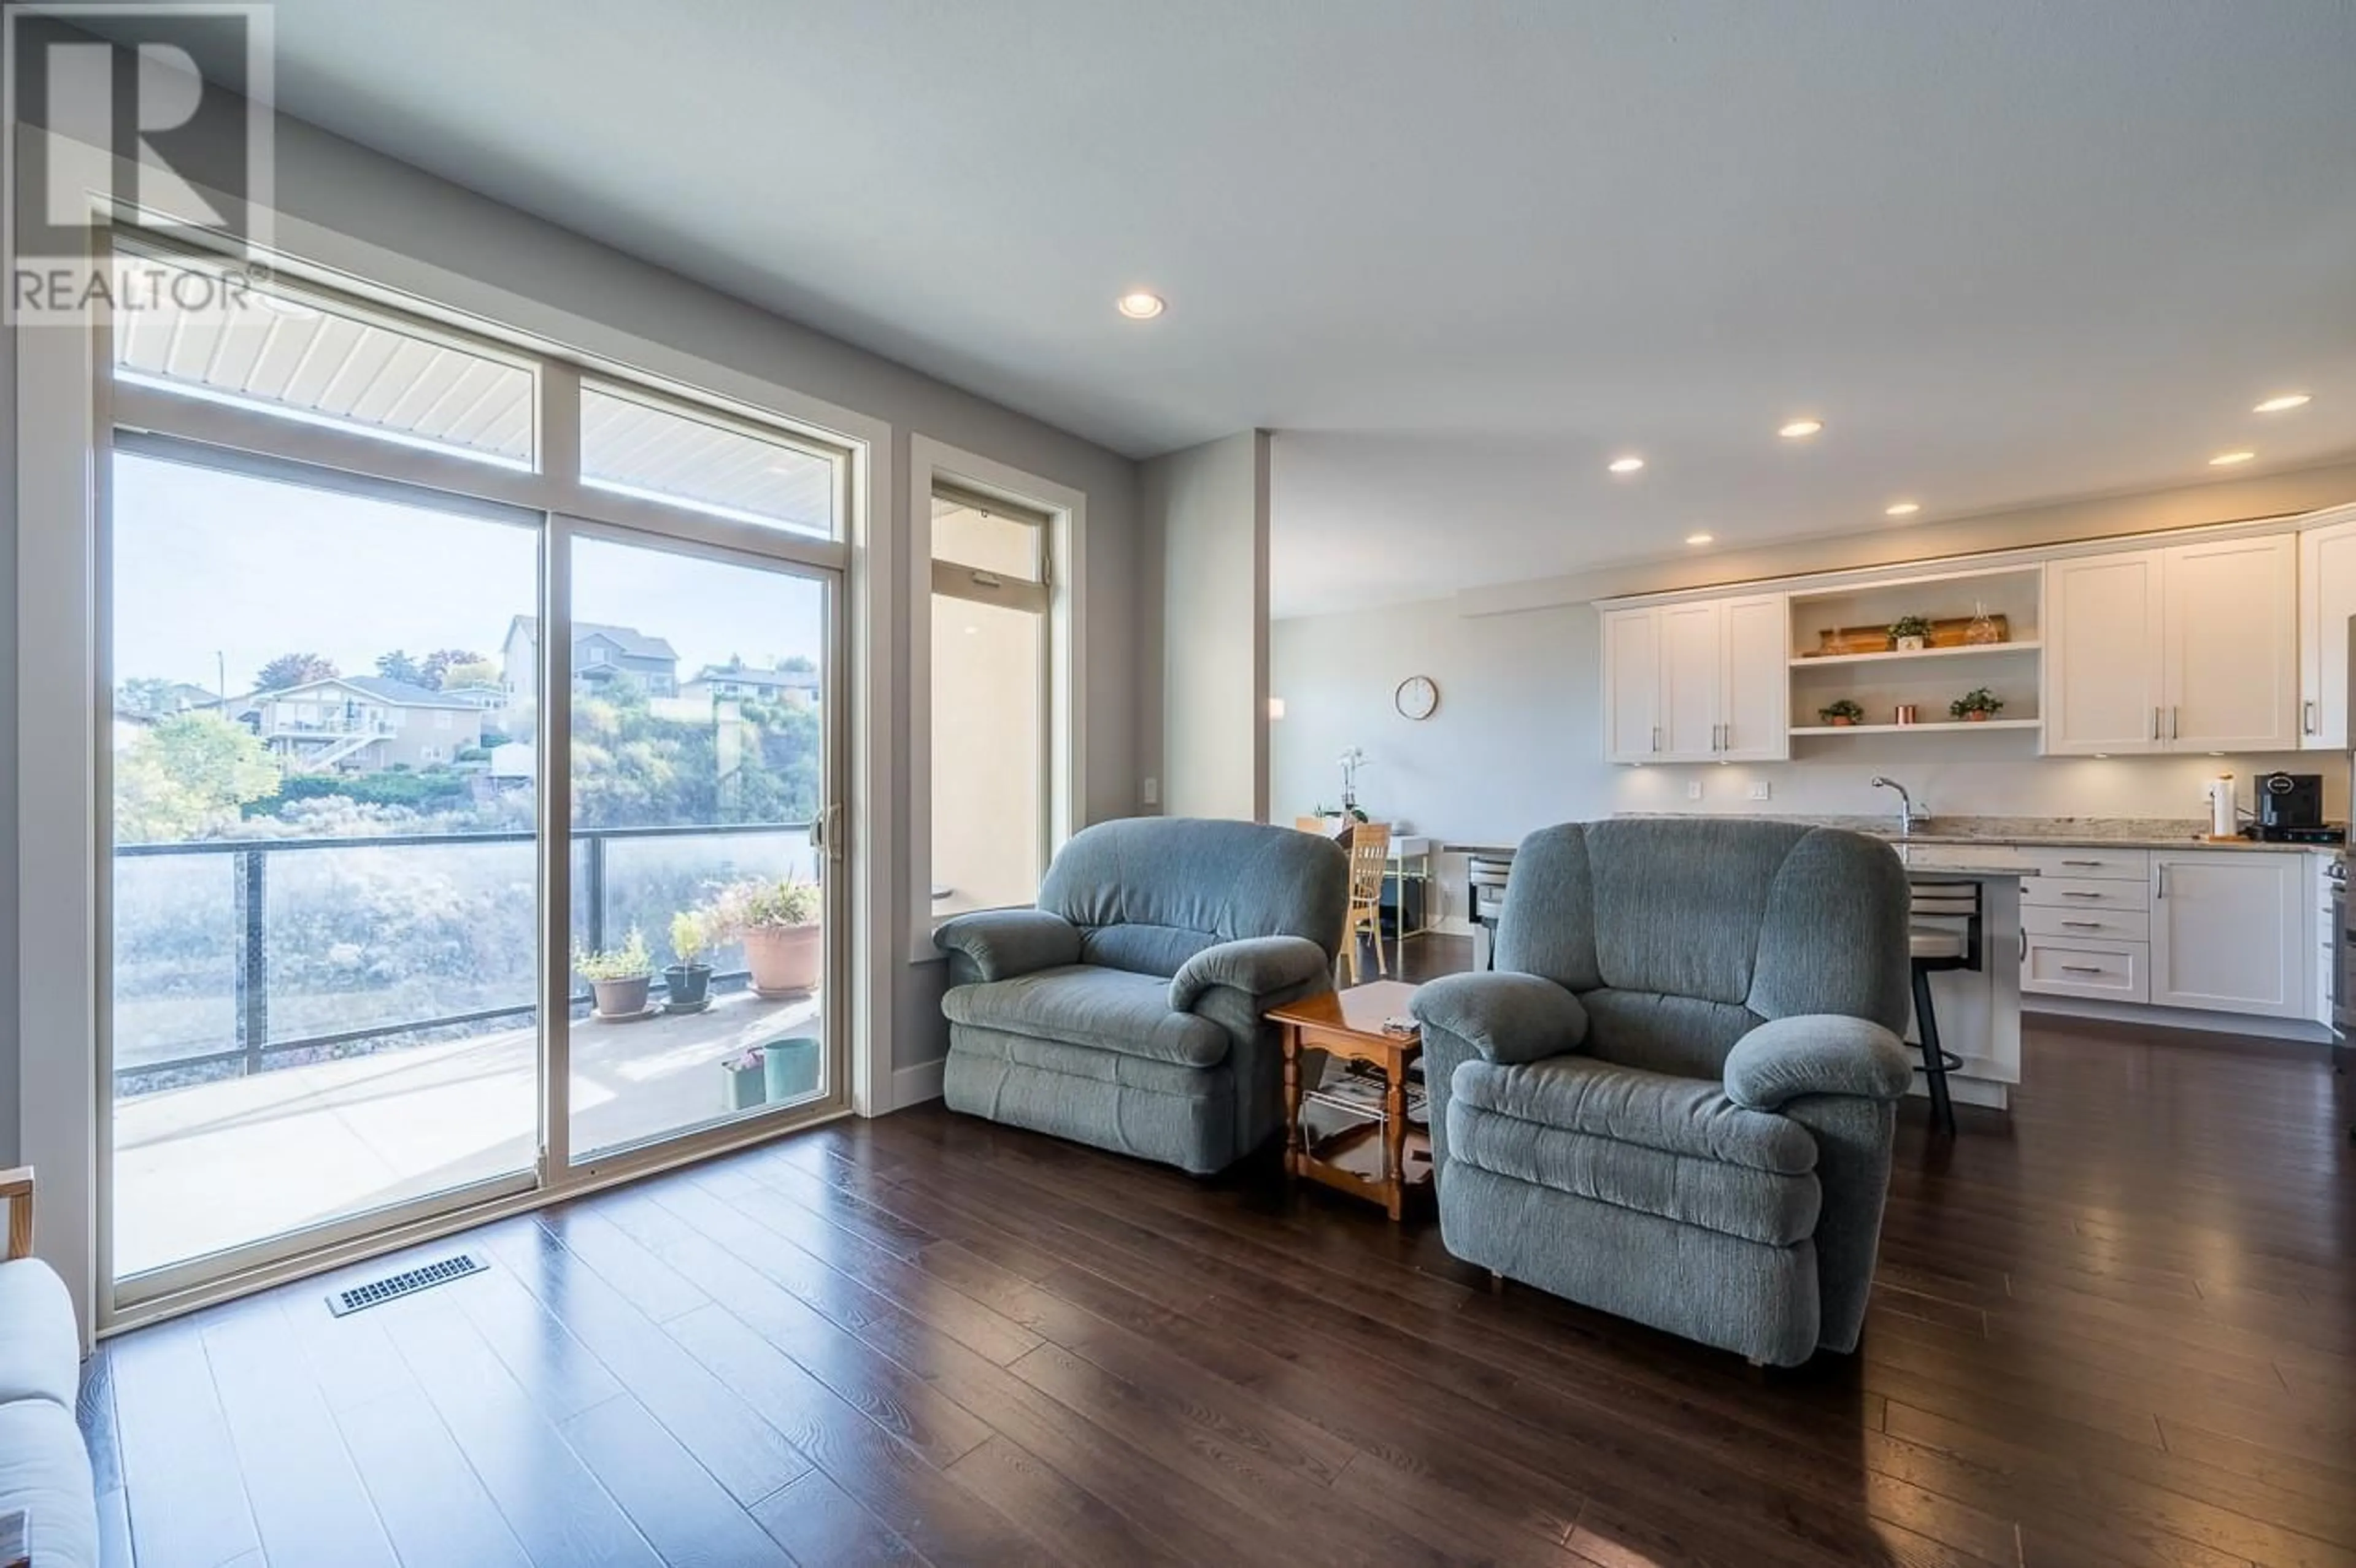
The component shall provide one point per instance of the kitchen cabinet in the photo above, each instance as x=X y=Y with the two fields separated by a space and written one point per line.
x=1701 y=681
x=2327 y=598
x=2229 y=931
x=2193 y=647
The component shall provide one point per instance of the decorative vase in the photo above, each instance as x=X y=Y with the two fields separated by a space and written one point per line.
x=747 y=1086
x=790 y=1068
x=687 y=986
x=785 y=959
x=620 y=999
x=1983 y=630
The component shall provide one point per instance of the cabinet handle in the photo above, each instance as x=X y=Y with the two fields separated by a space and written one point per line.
x=2082 y=862
x=2160 y=881
x=1656 y=737
x=2083 y=924
x=2172 y=712
x=2306 y=716
x=2073 y=894
x=2155 y=723
x=2082 y=969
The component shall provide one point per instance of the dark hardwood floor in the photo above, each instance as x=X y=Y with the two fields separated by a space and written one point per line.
x=2116 y=1326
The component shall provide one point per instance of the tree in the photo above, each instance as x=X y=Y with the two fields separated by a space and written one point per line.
x=294 y=669
x=399 y=666
x=147 y=696
x=461 y=673
x=433 y=670
x=186 y=778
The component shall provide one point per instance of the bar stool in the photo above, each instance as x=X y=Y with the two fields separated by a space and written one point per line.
x=1943 y=933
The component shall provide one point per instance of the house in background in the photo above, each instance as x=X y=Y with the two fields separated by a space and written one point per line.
x=738 y=681
x=601 y=654
x=364 y=724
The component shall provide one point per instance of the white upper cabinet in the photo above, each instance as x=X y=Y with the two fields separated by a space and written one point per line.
x=2327 y=598
x=2103 y=654
x=1702 y=681
x=1757 y=710
x=1632 y=685
x=2189 y=649
x=2231 y=663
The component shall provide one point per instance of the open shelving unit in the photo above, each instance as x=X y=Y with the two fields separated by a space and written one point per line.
x=1880 y=681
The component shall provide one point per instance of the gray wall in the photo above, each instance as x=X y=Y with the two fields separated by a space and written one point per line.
x=1206 y=510
x=327 y=181
x=1517 y=742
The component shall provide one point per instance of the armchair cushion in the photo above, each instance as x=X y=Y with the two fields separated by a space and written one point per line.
x=1817 y=1053
x=40 y=1357
x=1109 y=1009
x=1257 y=966
x=1506 y=1018
x=1001 y=943
x=1676 y=1116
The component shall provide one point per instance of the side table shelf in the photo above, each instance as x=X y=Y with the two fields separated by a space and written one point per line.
x=1383 y=1155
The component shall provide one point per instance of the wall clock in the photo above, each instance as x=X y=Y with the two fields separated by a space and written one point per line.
x=1418 y=696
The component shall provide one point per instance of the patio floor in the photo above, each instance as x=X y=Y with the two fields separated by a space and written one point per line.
x=213 y=1166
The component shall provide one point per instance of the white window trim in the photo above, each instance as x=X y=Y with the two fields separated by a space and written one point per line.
x=929 y=463
x=62 y=712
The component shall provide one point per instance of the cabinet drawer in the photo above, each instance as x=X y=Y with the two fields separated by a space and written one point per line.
x=2081 y=892
x=2093 y=924
x=2115 y=970
x=2091 y=864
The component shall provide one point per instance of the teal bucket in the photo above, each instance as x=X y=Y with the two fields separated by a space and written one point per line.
x=790 y=1066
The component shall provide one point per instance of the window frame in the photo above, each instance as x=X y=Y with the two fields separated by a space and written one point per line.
x=936 y=465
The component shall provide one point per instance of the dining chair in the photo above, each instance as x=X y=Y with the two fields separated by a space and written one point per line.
x=1370 y=858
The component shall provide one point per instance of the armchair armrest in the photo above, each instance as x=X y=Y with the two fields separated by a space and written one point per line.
x=1256 y=966
x=1000 y=944
x=1817 y=1053
x=17 y=1191
x=1508 y=1018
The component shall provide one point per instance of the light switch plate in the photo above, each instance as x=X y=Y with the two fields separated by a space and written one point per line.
x=1152 y=791
x=1759 y=790
x=1693 y=789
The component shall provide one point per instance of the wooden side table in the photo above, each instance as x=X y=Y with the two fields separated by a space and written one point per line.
x=1381 y=1158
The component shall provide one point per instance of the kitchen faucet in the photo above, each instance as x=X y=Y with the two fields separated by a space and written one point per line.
x=1908 y=813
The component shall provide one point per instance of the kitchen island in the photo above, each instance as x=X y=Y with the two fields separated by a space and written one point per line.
x=1979 y=1009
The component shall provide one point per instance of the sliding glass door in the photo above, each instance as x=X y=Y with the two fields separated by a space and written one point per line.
x=474 y=734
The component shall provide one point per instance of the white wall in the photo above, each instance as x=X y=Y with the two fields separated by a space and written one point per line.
x=1207 y=507
x=1516 y=742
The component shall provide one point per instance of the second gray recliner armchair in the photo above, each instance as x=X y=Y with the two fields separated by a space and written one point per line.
x=1673 y=1099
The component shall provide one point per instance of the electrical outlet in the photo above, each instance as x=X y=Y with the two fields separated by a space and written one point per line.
x=1759 y=790
x=1152 y=791
x=1693 y=789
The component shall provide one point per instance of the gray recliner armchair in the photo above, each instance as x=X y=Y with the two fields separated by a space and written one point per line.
x=1125 y=1011
x=1673 y=1100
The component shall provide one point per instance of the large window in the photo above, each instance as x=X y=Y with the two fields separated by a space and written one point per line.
x=462 y=836
x=991 y=691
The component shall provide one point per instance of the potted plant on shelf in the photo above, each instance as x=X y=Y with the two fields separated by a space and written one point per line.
x=687 y=984
x=1909 y=633
x=747 y=1079
x=777 y=920
x=1978 y=706
x=1841 y=714
x=618 y=976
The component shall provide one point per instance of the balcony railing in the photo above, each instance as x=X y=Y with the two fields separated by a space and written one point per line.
x=285 y=948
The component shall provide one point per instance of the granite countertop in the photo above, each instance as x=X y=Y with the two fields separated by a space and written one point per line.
x=2074 y=832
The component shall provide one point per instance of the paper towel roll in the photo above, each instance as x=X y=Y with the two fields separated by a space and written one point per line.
x=2221 y=822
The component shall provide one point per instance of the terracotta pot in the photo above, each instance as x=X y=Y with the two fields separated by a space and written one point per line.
x=1842 y=721
x=785 y=959
x=1976 y=716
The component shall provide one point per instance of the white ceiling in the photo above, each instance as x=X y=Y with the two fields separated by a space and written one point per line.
x=1459 y=255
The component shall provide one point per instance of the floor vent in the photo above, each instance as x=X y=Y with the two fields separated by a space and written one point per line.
x=408 y=1282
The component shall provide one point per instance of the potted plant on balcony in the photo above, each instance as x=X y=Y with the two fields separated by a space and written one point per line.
x=1909 y=633
x=792 y=1068
x=1842 y=714
x=747 y=1079
x=1978 y=706
x=687 y=983
x=777 y=920
x=618 y=976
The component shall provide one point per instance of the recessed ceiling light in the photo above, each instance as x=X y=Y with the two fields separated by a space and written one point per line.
x=1138 y=305
x=1628 y=464
x=2285 y=403
x=2228 y=459
x=1800 y=429
x=1700 y=538
x=1901 y=508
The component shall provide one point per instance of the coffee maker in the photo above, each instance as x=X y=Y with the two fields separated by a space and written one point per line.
x=2290 y=810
